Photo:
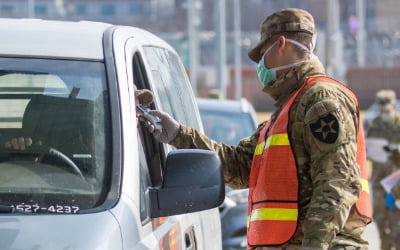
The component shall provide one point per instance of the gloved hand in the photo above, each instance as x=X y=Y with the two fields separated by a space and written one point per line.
x=169 y=130
x=390 y=201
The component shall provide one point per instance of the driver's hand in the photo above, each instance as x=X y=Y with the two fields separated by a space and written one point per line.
x=19 y=143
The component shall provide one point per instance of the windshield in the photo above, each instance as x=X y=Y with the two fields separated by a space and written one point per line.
x=227 y=127
x=54 y=120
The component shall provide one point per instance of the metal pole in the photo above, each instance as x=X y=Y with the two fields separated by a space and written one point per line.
x=335 y=62
x=360 y=35
x=31 y=8
x=59 y=5
x=238 y=54
x=220 y=29
x=193 y=43
x=153 y=10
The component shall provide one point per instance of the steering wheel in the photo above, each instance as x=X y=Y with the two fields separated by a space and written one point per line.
x=47 y=150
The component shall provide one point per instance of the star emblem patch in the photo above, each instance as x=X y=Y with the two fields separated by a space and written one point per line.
x=326 y=129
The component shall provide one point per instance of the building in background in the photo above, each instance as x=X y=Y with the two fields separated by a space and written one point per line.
x=168 y=19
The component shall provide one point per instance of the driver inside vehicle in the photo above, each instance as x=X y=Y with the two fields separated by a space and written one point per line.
x=142 y=96
x=19 y=143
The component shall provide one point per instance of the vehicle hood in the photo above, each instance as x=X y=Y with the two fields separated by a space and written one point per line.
x=60 y=231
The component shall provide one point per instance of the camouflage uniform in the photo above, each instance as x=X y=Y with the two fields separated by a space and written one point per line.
x=328 y=173
x=329 y=177
x=387 y=221
x=396 y=191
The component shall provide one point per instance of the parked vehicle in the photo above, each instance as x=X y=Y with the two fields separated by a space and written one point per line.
x=93 y=178
x=229 y=121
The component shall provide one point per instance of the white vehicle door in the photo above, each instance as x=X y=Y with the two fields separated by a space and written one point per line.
x=173 y=90
x=173 y=232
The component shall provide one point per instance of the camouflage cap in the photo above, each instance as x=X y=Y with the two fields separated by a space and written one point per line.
x=145 y=96
x=285 y=20
x=385 y=98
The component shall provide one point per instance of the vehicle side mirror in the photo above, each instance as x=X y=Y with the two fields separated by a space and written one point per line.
x=193 y=181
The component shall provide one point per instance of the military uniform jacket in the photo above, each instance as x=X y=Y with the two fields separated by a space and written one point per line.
x=390 y=131
x=329 y=177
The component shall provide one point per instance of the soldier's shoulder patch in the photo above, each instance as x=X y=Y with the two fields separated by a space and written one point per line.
x=326 y=129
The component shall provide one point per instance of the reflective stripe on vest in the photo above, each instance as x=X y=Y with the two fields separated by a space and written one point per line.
x=273 y=183
x=274 y=214
x=279 y=139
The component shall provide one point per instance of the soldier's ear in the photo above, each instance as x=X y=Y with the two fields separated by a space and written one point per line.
x=282 y=42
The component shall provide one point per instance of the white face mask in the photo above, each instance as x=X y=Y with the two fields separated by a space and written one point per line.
x=268 y=75
x=386 y=116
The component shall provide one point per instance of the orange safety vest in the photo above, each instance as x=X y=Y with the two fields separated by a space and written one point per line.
x=273 y=184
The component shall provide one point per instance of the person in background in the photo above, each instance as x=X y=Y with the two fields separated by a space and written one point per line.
x=226 y=132
x=214 y=94
x=305 y=166
x=386 y=126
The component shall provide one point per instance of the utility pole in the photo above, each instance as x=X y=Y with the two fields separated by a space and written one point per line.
x=193 y=23
x=360 y=35
x=60 y=8
x=153 y=10
x=335 y=63
x=220 y=30
x=31 y=8
x=238 y=49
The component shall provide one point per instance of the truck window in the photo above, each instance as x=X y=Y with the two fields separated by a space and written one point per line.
x=172 y=85
x=145 y=183
x=61 y=107
x=149 y=150
x=152 y=148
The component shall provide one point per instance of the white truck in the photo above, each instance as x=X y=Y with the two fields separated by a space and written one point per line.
x=78 y=171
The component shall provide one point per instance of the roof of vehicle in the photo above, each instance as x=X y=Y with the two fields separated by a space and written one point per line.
x=60 y=39
x=36 y=37
x=224 y=105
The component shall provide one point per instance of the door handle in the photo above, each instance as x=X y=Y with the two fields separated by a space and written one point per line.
x=190 y=239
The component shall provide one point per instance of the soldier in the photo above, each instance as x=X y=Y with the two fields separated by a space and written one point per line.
x=385 y=126
x=305 y=167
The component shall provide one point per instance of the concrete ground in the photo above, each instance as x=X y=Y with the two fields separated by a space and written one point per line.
x=372 y=235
